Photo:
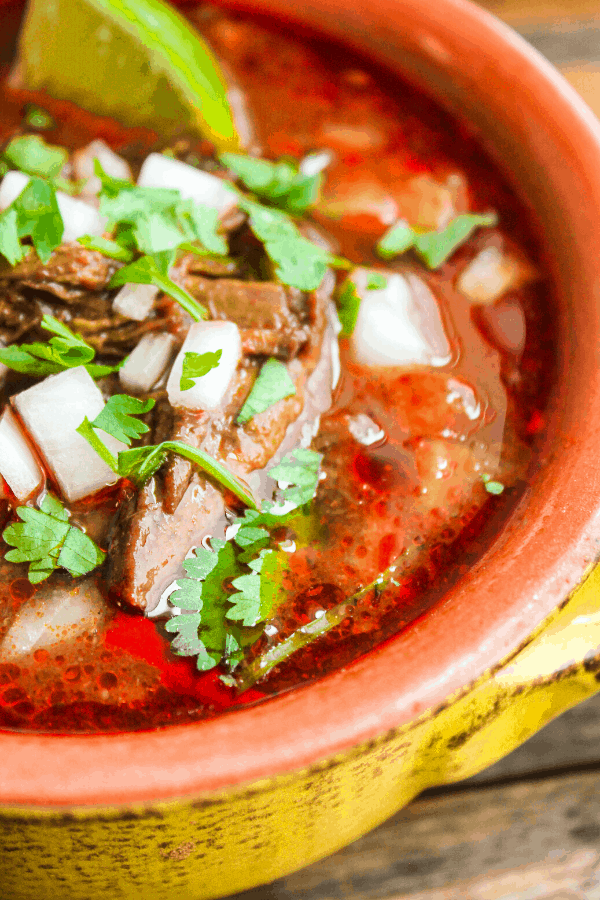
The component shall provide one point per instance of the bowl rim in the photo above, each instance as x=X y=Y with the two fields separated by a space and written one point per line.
x=541 y=555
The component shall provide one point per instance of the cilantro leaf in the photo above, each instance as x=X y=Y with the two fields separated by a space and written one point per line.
x=195 y=365
x=151 y=270
x=66 y=350
x=140 y=463
x=298 y=261
x=376 y=281
x=112 y=249
x=203 y=224
x=434 y=247
x=492 y=487
x=36 y=117
x=259 y=593
x=10 y=246
x=348 y=304
x=204 y=632
x=31 y=154
x=118 y=417
x=47 y=542
x=278 y=182
x=273 y=384
x=39 y=217
x=299 y=471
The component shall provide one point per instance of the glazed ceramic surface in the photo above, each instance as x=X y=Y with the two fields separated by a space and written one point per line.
x=203 y=810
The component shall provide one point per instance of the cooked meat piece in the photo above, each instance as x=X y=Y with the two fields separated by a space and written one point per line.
x=70 y=273
x=179 y=506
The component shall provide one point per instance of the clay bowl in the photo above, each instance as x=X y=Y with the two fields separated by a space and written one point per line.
x=206 y=809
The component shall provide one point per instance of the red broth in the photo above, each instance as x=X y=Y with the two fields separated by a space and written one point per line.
x=416 y=484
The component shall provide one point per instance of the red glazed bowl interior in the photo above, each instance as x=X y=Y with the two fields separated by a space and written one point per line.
x=548 y=144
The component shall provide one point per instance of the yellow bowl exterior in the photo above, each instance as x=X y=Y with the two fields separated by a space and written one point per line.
x=204 y=847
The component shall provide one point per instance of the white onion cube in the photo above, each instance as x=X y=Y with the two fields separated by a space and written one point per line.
x=53 y=616
x=209 y=390
x=134 y=301
x=492 y=273
x=18 y=464
x=399 y=324
x=193 y=184
x=52 y=411
x=13 y=184
x=147 y=362
x=79 y=217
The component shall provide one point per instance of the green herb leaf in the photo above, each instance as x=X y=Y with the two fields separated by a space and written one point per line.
x=39 y=217
x=32 y=155
x=141 y=463
x=273 y=384
x=348 y=305
x=151 y=270
x=259 y=593
x=10 y=246
x=492 y=487
x=112 y=249
x=376 y=281
x=64 y=351
x=118 y=417
x=299 y=470
x=203 y=223
x=195 y=365
x=46 y=541
x=278 y=182
x=434 y=247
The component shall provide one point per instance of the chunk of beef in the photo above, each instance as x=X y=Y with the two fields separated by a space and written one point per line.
x=179 y=506
x=70 y=273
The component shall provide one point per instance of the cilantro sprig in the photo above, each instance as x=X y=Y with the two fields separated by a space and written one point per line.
x=66 y=350
x=272 y=384
x=433 y=247
x=196 y=365
x=155 y=270
x=31 y=154
x=280 y=183
x=45 y=539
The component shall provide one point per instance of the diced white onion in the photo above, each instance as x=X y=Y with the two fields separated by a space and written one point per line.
x=315 y=163
x=399 y=324
x=79 y=218
x=364 y=430
x=134 y=301
x=53 y=616
x=147 y=362
x=210 y=389
x=491 y=274
x=113 y=164
x=13 y=184
x=426 y=203
x=18 y=464
x=52 y=411
x=193 y=184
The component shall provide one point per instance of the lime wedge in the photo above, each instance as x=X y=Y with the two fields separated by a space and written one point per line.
x=137 y=61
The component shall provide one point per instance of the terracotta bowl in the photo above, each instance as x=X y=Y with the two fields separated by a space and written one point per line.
x=211 y=808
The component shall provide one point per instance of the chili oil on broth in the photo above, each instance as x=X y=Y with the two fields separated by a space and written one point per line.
x=390 y=432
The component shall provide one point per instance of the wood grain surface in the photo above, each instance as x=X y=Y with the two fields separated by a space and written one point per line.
x=528 y=828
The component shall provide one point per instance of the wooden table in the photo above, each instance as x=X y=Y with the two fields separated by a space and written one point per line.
x=529 y=827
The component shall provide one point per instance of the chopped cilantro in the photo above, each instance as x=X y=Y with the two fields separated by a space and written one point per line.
x=299 y=471
x=152 y=270
x=196 y=365
x=278 y=182
x=31 y=154
x=66 y=350
x=39 y=217
x=272 y=384
x=109 y=248
x=260 y=593
x=434 y=247
x=141 y=463
x=47 y=542
x=376 y=281
x=118 y=417
x=10 y=246
x=348 y=304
